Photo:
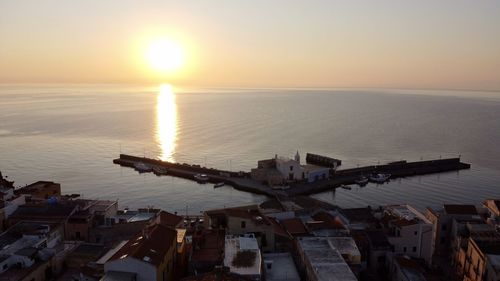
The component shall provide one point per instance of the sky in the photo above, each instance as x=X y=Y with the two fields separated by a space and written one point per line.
x=425 y=44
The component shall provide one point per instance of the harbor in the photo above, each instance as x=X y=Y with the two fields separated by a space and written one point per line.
x=311 y=182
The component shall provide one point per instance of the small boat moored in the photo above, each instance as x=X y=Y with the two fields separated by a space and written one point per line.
x=380 y=178
x=219 y=184
x=346 y=187
x=142 y=168
x=361 y=181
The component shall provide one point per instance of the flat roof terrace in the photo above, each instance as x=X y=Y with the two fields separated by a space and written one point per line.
x=327 y=263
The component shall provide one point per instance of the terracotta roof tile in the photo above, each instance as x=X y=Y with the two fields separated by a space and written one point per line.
x=169 y=219
x=294 y=226
x=151 y=245
x=329 y=221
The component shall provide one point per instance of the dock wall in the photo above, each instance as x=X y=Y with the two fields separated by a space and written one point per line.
x=243 y=182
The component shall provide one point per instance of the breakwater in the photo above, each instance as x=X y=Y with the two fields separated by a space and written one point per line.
x=241 y=180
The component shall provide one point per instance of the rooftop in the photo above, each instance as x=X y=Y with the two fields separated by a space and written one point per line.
x=454 y=209
x=150 y=246
x=407 y=215
x=119 y=276
x=24 y=234
x=141 y=217
x=45 y=211
x=326 y=220
x=294 y=226
x=242 y=255
x=102 y=205
x=312 y=168
x=345 y=245
x=251 y=212
x=411 y=269
x=327 y=261
x=282 y=267
x=358 y=214
x=37 y=186
x=207 y=247
x=111 y=252
x=169 y=219
x=217 y=275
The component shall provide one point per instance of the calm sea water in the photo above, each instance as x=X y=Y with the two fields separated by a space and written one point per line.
x=71 y=133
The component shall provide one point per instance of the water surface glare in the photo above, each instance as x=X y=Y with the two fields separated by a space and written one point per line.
x=70 y=134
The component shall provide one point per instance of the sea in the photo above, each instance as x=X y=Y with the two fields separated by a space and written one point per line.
x=71 y=133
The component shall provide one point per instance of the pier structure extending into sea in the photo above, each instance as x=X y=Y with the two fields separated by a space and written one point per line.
x=242 y=181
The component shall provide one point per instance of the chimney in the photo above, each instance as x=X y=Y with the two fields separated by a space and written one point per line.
x=269 y=265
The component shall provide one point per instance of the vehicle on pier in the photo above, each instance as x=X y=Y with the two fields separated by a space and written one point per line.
x=159 y=171
x=142 y=168
x=346 y=187
x=202 y=178
x=380 y=178
x=280 y=187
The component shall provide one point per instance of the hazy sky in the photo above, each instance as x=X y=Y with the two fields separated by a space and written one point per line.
x=409 y=44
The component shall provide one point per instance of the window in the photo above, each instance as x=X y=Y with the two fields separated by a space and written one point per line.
x=443 y=227
x=443 y=240
x=404 y=249
x=381 y=259
x=291 y=168
x=243 y=224
x=77 y=235
x=414 y=249
x=5 y=266
x=416 y=232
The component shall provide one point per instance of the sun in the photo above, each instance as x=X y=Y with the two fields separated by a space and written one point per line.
x=165 y=55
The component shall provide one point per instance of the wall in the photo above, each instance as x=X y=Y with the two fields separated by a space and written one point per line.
x=283 y=166
x=422 y=241
x=166 y=270
x=319 y=173
x=474 y=263
x=234 y=227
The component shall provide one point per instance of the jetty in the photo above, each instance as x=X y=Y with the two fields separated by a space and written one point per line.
x=242 y=180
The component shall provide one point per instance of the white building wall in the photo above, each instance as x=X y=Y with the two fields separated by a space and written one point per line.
x=417 y=239
x=234 y=227
x=289 y=166
x=318 y=174
x=145 y=271
x=12 y=205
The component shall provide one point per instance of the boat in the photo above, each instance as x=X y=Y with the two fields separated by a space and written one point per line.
x=219 y=184
x=142 y=168
x=362 y=180
x=201 y=178
x=380 y=178
x=346 y=187
x=158 y=170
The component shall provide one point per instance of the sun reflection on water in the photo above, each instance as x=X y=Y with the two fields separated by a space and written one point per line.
x=166 y=122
